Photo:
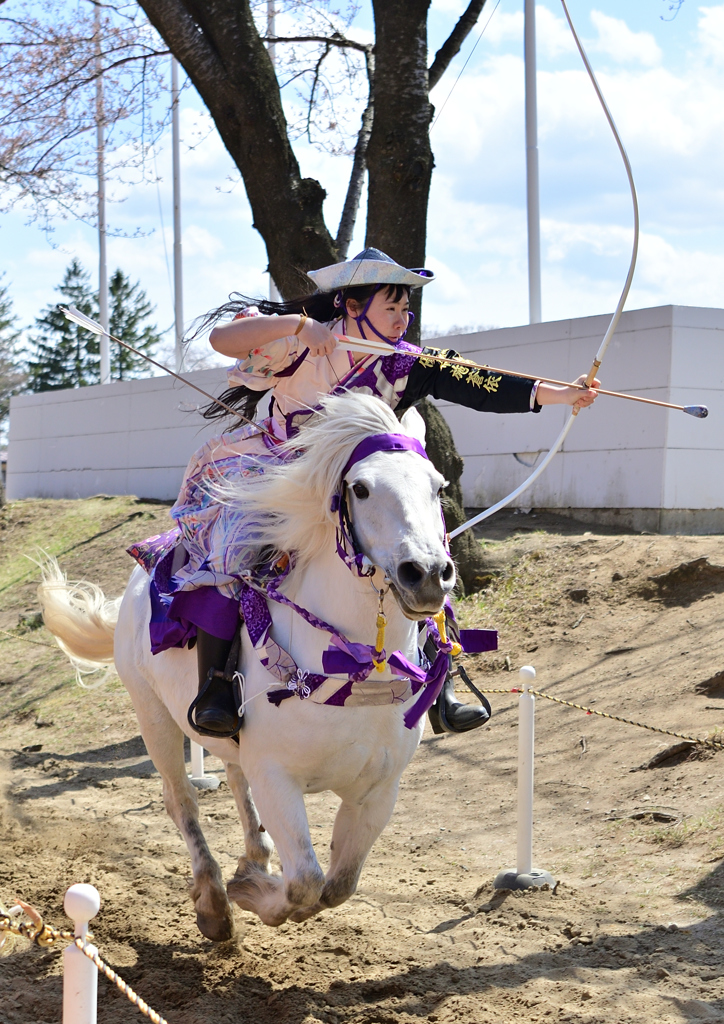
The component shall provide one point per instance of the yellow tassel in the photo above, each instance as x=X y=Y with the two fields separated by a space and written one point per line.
x=380 y=641
x=442 y=630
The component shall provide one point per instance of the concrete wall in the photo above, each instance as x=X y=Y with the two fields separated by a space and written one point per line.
x=619 y=454
x=135 y=437
x=132 y=437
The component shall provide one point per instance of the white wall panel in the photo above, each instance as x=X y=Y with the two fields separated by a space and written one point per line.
x=137 y=436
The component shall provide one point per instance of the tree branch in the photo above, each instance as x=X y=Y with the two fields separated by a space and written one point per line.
x=454 y=41
x=335 y=40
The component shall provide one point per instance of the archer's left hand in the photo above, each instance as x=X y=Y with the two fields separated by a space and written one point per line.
x=554 y=394
x=582 y=399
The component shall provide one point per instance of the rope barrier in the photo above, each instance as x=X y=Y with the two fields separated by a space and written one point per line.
x=120 y=984
x=27 y=640
x=44 y=935
x=714 y=744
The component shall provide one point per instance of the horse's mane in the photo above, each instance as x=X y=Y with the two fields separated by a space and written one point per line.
x=288 y=507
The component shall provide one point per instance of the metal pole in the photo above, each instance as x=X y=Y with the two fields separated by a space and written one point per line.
x=531 y=166
x=271 y=30
x=102 y=261
x=177 y=253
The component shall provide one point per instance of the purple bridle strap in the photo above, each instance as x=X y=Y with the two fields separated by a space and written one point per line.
x=363 y=319
x=383 y=443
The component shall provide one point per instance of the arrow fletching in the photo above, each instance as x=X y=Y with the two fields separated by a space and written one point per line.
x=71 y=313
x=700 y=411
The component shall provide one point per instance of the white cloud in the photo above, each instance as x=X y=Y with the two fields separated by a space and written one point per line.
x=617 y=40
x=711 y=31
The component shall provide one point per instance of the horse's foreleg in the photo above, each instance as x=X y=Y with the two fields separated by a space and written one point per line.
x=258 y=845
x=356 y=828
x=274 y=898
x=164 y=741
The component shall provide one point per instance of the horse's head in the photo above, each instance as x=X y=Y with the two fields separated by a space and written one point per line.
x=335 y=475
x=391 y=495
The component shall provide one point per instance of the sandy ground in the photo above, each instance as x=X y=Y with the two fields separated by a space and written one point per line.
x=633 y=931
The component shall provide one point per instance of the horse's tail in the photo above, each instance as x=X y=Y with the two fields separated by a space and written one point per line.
x=80 y=617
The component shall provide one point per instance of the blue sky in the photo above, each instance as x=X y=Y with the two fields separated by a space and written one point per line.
x=664 y=82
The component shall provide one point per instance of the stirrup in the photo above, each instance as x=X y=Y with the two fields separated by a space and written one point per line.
x=233 y=682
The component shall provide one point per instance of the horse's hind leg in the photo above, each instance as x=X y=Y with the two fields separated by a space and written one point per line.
x=258 y=846
x=164 y=741
x=356 y=828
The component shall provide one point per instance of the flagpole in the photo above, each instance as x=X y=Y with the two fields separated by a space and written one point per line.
x=177 y=251
x=274 y=294
x=105 y=350
x=531 y=164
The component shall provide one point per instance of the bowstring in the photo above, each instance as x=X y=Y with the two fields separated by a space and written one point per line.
x=614 y=319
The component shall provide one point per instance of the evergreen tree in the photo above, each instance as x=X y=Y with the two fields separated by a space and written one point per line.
x=66 y=355
x=129 y=307
x=12 y=375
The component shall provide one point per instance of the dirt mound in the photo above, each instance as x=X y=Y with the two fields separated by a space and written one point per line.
x=632 y=932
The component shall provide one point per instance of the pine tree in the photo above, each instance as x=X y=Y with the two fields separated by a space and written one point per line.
x=66 y=355
x=129 y=307
x=12 y=375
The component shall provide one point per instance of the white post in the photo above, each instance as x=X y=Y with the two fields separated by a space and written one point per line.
x=177 y=254
x=531 y=166
x=102 y=261
x=526 y=748
x=80 y=975
x=198 y=777
x=274 y=294
x=525 y=875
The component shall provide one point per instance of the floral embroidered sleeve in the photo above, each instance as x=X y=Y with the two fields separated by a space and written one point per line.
x=462 y=385
x=261 y=368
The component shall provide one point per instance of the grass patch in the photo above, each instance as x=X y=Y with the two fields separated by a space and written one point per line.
x=682 y=832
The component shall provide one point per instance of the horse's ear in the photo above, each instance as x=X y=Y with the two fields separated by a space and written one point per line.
x=413 y=424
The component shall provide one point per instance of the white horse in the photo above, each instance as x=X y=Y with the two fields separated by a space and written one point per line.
x=301 y=746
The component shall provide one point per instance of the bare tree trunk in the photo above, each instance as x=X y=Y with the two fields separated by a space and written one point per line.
x=466 y=550
x=399 y=156
x=222 y=52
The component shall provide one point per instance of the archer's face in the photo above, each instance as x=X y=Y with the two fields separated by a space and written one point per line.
x=388 y=317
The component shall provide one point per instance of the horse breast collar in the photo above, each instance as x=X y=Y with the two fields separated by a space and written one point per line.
x=353 y=661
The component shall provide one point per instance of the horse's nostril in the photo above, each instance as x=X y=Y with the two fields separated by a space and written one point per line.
x=448 y=572
x=410 y=574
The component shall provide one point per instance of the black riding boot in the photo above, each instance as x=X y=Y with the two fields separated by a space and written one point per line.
x=215 y=710
x=449 y=715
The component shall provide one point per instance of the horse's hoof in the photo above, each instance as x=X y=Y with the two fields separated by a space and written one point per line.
x=215 y=928
x=299 y=916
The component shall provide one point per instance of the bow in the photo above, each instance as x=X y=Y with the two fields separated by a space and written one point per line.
x=598 y=359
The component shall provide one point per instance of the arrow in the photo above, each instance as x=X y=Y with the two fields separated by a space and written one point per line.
x=71 y=313
x=380 y=348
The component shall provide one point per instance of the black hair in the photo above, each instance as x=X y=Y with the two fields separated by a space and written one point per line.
x=319 y=306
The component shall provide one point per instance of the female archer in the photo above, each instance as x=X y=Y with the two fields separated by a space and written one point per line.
x=291 y=349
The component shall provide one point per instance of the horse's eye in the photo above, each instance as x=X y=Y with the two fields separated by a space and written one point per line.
x=360 y=491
